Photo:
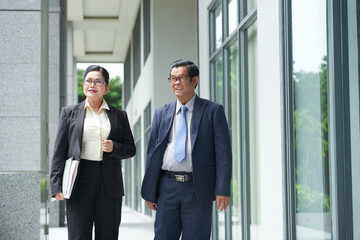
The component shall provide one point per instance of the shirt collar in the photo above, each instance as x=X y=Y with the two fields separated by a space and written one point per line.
x=189 y=104
x=104 y=105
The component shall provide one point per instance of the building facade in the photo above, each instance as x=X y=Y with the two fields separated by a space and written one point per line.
x=287 y=75
x=286 y=71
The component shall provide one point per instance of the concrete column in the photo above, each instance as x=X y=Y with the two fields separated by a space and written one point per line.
x=71 y=77
x=170 y=18
x=56 y=19
x=24 y=119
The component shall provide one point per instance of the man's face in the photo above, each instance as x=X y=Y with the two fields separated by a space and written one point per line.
x=183 y=89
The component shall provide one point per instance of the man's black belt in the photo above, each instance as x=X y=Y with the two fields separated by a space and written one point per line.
x=179 y=177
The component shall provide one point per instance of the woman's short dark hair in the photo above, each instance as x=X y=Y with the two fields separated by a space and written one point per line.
x=100 y=69
x=193 y=70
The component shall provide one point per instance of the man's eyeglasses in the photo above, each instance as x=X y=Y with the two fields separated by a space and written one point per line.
x=97 y=83
x=182 y=78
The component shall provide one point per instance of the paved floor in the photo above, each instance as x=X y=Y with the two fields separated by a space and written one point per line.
x=133 y=226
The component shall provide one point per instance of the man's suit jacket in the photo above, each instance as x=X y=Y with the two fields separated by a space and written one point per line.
x=69 y=140
x=211 y=150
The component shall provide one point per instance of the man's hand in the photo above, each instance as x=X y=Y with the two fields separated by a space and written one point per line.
x=222 y=202
x=152 y=206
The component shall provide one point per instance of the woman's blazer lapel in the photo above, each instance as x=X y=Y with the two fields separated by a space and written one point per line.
x=113 y=120
x=80 y=116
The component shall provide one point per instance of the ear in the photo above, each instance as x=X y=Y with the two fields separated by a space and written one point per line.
x=194 y=81
x=106 y=89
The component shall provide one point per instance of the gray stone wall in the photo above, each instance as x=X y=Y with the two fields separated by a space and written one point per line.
x=23 y=121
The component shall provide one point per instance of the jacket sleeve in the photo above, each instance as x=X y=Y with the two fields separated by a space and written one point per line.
x=125 y=147
x=223 y=153
x=149 y=183
x=60 y=154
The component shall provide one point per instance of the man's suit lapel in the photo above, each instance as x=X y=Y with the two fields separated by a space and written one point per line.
x=167 y=121
x=198 y=111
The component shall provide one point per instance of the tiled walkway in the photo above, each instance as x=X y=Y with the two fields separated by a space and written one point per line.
x=133 y=226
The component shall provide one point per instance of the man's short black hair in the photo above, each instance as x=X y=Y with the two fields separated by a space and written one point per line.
x=100 y=69
x=193 y=70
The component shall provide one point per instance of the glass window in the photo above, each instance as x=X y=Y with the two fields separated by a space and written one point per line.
x=218 y=26
x=127 y=78
x=225 y=89
x=146 y=29
x=136 y=49
x=354 y=70
x=137 y=166
x=251 y=4
x=234 y=91
x=253 y=128
x=312 y=185
x=219 y=97
x=127 y=178
x=147 y=127
x=232 y=15
x=219 y=89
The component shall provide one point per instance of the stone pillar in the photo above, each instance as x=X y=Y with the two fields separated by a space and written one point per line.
x=24 y=119
x=71 y=97
x=57 y=18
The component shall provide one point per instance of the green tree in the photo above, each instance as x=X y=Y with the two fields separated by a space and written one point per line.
x=113 y=97
x=311 y=140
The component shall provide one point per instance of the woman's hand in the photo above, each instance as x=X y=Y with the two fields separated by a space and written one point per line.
x=59 y=196
x=107 y=145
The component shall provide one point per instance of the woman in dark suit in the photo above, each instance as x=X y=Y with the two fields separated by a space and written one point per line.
x=100 y=136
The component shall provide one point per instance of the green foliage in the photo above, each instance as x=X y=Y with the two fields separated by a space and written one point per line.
x=309 y=200
x=311 y=140
x=81 y=96
x=113 y=97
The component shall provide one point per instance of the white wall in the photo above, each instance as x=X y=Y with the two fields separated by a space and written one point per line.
x=270 y=120
x=204 y=85
x=175 y=37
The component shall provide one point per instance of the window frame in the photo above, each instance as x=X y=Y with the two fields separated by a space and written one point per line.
x=339 y=121
x=239 y=34
x=136 y=56
x=147 y=28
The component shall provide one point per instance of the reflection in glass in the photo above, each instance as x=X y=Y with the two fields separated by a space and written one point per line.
x=235 y=140
x=354 y=70
x=312 y=186
x=137 y=166
x=147 y=127
x=219 y=88
x=218 y=26
x=253 y=127
x=219 y=98
x=232 y=15
x=44 y=207
x=127 y=179
x=251 y=4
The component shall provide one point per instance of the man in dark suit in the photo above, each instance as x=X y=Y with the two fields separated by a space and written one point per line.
x=189 y=160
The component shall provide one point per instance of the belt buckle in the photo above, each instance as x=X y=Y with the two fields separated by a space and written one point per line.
x=180 y=178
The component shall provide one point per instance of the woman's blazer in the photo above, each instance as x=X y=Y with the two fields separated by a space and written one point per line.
x=69 y=141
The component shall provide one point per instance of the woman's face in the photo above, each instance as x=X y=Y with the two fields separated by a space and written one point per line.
x=95 y=90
